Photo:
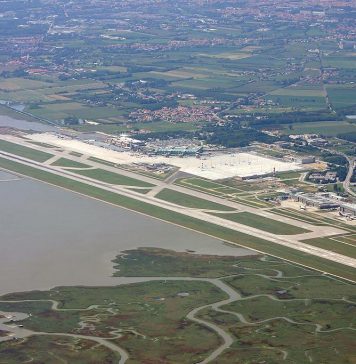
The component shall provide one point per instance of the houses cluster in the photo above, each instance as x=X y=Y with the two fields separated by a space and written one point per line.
x=180 y=114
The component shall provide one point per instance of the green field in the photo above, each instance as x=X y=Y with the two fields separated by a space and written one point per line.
x=333 y=245
x=76 y=154
x=190 y=201
x=68 y=163
x=25 y=152
x=113 y=178
x=326 y=128
x=263 y=223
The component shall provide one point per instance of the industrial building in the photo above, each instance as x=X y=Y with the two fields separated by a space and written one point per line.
x=126 y=141
x=327 y=201
x=348 y=209
x=178 y=151
x=322 y=201
x=328 y=177
x=306 y=160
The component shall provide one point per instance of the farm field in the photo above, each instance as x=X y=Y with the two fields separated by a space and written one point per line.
x=327 y=128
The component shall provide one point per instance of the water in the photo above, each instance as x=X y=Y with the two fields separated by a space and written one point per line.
x=6 y=176
x=52 y=237
x=7 y=121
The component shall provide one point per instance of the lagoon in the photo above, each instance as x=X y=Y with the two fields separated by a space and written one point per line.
x=52 y=237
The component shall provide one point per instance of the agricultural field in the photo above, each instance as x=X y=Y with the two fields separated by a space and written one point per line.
x=326 y=128
x=226 y=63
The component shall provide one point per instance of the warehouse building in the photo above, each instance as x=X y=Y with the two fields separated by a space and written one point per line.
x=322 y=201
x=348 y=209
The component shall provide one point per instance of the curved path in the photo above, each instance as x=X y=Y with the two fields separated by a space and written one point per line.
x=228 y=339
x=7 y=324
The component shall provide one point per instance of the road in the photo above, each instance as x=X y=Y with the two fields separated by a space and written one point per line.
x=287 y=241
x=346 y=183
x=351 y=160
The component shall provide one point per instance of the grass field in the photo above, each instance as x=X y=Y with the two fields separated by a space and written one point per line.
x=113 y=178
x=298 y=216
x=68 y=163
x=333 y=245
x=25 y=152
x=326 y=128
x=185 y=221
x=262 y=223
x=183 y=199
x=45 y=145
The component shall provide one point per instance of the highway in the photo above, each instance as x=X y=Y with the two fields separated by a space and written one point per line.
x=287 y=241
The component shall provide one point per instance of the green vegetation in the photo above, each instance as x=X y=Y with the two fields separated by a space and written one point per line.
x=275 y=305
x=25 y=152
x=76 y=154
x=49 y=349
x=326 y=128
x=298 y=216
x=113 y=178
x=102 y=161
x=190 y=201
x=68 y=163
x=151 y=262
x=333 y=245
x=288 y=175
x=185 y=221
x=149 y=312
x=45 y=145
x=263 y=223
